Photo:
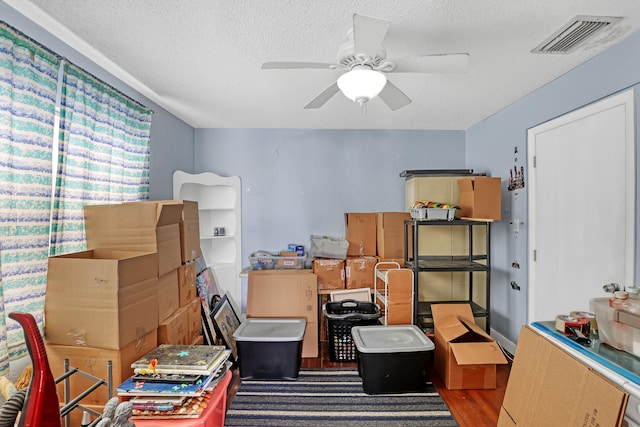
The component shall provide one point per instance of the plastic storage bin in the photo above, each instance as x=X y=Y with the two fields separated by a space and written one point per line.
x=268 y=262
x=618 y=328
x=341 y=317
x=270 y=348
x=433 y=213
x=392 y=359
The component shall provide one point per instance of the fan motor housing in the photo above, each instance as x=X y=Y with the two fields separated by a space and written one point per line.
x=348 y=58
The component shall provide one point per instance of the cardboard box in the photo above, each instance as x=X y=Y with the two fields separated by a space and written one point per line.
x=286 y=293
x=361 y=233
x=390 y=234
x=330 y=273
x=480 y=197
x=175 y=329
x=194 y=318
x=189 y=229
x=168 y=295
x=94 y=361
x=137 y=226
x=359 y=272
x=465 y=355
x=549 y=387
x=187 y=289
x=101 y=298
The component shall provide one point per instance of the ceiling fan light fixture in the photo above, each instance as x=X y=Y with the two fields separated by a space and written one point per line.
x=362 y=84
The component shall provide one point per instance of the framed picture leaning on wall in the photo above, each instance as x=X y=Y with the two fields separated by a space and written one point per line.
x=226 y=321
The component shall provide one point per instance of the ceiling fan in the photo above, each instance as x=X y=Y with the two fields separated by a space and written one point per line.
x=363 y=58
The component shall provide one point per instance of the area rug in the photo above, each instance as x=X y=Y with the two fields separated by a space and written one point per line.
x=328 y=398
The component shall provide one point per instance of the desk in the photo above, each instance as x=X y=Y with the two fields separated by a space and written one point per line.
x=213 y=415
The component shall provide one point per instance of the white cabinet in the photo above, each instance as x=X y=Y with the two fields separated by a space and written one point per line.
x=219 y=207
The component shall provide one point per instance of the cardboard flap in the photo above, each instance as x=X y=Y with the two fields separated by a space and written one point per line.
x=465 y=185
x=168 y=213
x=450 y=328
x=477 y=353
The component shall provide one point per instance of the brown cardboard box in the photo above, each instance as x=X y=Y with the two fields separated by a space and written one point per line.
x=330 y=273
x=359 y=272
x=361 y=233
x=465 y=355
x=168 y=295
x=390 y=234
x=94 y=361
x=199 y=340
x=187 y=289
x=189 y=229
x=480 y=197
x=175 y=329
x=286 y=293
x=101 y=298
x=149 y=226
x=194 y=318
x=549 y=387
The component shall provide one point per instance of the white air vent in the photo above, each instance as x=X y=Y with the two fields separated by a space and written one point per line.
x=573 y=34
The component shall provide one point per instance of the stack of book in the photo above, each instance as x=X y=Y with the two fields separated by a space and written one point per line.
x=175 y=381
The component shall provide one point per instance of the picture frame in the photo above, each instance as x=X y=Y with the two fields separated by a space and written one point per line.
x=226 y=321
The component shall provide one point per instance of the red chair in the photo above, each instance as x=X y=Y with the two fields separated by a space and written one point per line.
x=41 y=407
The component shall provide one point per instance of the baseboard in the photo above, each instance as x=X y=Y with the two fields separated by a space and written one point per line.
x=503 y=341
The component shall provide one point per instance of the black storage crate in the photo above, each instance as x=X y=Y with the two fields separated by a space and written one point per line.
x=341 y=317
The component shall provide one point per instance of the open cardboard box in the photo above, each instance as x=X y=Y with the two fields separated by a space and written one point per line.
x=549 y=387
x=465 y=355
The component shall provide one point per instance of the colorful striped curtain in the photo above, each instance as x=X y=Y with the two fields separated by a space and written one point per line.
x=95 y=150
x=103 y=154
x=28 y=82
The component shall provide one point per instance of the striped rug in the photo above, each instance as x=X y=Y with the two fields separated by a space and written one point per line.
x=332 y=398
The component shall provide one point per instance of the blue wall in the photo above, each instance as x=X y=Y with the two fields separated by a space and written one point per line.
x=171 y=138
x=296 y=183
x=490 y=145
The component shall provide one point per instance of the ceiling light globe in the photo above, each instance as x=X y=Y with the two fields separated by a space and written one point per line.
x=361 y=84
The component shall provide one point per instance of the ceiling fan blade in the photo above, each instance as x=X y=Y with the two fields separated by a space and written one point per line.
x=368 y=34
x=294 y=65
x=446 y=63
x=394 y=97
x=321 y=99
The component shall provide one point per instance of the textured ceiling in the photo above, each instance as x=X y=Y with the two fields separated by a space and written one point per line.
x=201 y=59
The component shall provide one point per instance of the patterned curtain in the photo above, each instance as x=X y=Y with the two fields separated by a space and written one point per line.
x=28 y=83
x=103 y=154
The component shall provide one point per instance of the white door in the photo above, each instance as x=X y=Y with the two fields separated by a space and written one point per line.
x=581 y=206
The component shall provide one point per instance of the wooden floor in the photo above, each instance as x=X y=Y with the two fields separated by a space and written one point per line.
x=471 y=408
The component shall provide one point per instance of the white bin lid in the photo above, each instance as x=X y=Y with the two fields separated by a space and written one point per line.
x=390 y=339
x=271 y=330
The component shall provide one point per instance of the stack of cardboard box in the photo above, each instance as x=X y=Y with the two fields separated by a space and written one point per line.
x=131 y=290
x=373 y=237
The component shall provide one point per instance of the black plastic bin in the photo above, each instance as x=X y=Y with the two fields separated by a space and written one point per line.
x=341 y=317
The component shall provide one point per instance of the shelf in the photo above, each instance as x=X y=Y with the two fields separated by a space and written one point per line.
x=475 y=259
x=212 y=237
x=447 y=263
